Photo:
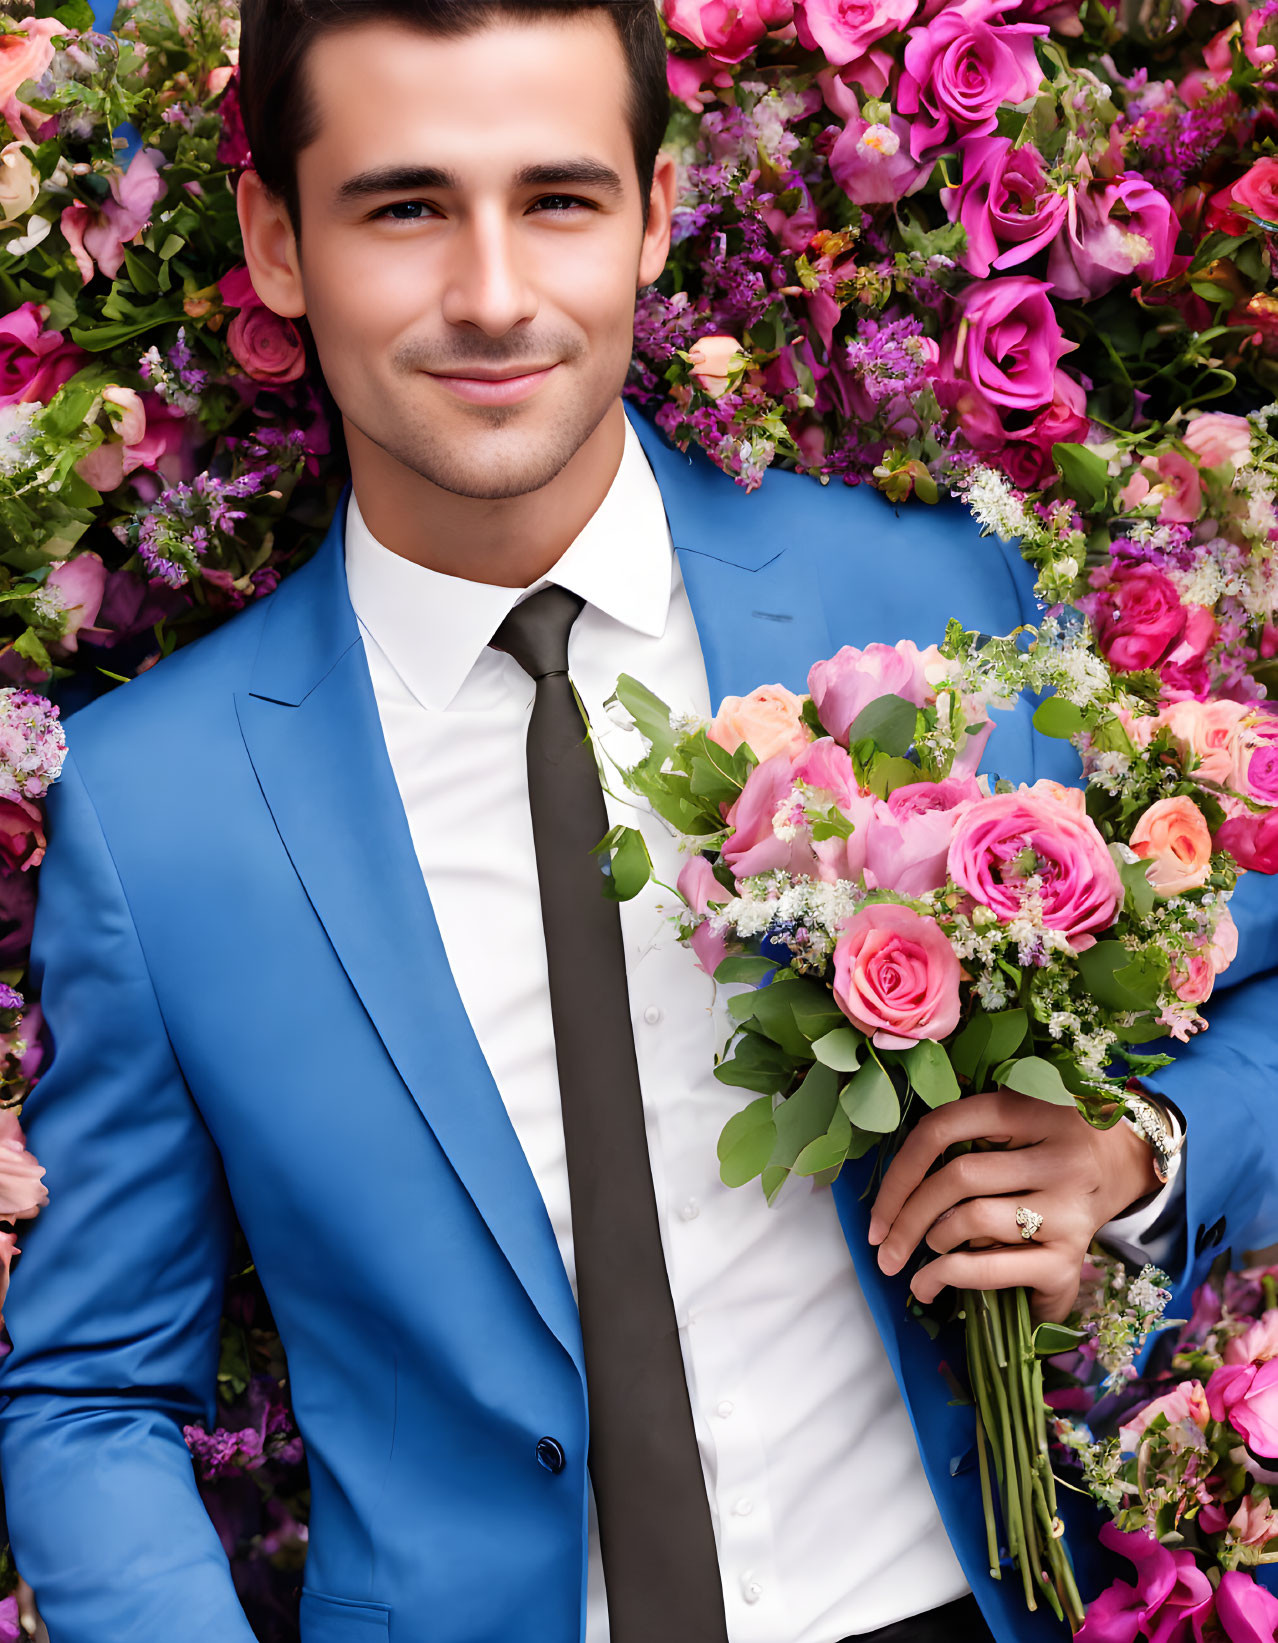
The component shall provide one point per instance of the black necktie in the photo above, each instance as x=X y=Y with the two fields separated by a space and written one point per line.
x=660 y=1565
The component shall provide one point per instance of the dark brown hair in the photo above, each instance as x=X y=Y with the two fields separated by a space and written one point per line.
x=281 y=120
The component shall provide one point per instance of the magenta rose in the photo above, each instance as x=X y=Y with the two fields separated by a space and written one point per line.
x=1007 y=343
x=1252 y=841
x=1004 y=203
x=34 y=363
x=701 y=890
x=267 y=345
x=961 y=67
x=1171 y=1593
x=728 y=29
x=1246 y=1395
x=908 y=842
x=22 y=839
x=1137 y=614
x=1257 y=190
x=1000 y=842
x=1120 y=230
x=842 y=30
x=1255 y=762
x=850 y=680
x=896 y=976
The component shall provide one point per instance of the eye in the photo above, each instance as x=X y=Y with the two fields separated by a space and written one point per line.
x=406 y=205
x=564 y=202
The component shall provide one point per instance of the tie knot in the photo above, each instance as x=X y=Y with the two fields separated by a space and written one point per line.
x=536 y=631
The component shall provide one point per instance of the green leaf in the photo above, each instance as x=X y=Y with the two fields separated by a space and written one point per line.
x=1031 y=1075
x=1059 y=718
x=1117 y=981
x=756 y=1064
x=840 y=1049
x=29 y=644
x=628 y=867
x=805 y=1116
x=1049 y=1339
x=888 y=722
x=772 y=1011
x=930 y=1073
x=649 y=712
x=815 y=1012
x=744 y=967
x=746 y=1143
x=828 y=1151
x=870 y=1101
x=1140 y=892
x=1086 y=475
x=985 y=1040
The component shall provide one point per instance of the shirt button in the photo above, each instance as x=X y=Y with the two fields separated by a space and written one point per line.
x=751 y=1590
x=724 y=1409
x=743 y=1508
x=690 y=1210
x=652 y=1015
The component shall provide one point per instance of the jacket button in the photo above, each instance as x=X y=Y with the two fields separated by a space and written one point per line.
x=551 y=1455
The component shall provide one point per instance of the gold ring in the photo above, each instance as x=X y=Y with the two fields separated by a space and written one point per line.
x=1029 y=1221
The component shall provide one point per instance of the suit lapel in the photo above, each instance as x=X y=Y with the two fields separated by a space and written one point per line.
x=312 y=730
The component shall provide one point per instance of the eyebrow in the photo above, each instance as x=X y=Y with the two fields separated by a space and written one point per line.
x=401 y=179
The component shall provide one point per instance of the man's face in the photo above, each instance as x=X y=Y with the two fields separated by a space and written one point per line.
x=476 y=322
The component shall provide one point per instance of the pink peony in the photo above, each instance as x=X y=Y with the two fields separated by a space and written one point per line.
x=769 y=720
x=1001 y=842
x=728 y=29
x=1004 y=203
x=842 y=30
x=961 y=67
x=22 y=1189
x=1257 y=190
x=701 y=890
x=26 y=56
x=267 y=345
x=34 y=363
x=1217 y=437
x=896 y=976
x=1137 y=613
x=849 y=681
x=1171 y=1593
x=1185 y=1402
x=97 y=238
x=1173 y=837
x=1007 y=343
x=1119 y=230
x=1246 y=1395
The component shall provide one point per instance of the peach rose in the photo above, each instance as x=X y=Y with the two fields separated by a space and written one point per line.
x=1209 y=731
x=25 y=57
x=1173 y=837
x=1073 y=798
x=1217 y=436
x=19 y=182
x=712 y=360
x=769 y=719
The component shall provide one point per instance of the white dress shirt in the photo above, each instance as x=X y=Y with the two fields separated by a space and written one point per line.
x=824 y=1520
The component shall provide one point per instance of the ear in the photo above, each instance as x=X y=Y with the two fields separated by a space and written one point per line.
x=656 y=239
x=270 y=248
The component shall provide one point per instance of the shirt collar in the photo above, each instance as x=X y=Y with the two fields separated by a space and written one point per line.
x=433 y=628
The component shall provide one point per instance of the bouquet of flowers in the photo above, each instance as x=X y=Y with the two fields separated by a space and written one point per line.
x=908 y=931
x=1182 y=1455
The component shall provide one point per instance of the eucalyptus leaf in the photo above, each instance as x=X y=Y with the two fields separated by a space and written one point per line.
x=744 y=967
x=828 y=1151
x=746 y=1143
x=870 y=1101
x=1031 y=1075
x=1059 y=718
x=988 y=1038
x=888 y=722
x=805 y=1116
x=840 y=1049
x=930 y=1073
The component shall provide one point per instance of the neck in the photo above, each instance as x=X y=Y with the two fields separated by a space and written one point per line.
x=509 y=542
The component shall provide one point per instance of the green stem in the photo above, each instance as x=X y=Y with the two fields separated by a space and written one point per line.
x=1012 y=1514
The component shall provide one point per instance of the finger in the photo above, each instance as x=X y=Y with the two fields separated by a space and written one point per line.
x=995 y=1219
x=971 y=1175
x=974 y=1118
x=1051 y=1274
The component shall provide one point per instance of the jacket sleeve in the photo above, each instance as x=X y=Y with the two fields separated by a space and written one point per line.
x=115 y=1300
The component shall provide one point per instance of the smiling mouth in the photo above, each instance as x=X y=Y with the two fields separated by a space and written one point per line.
x=495 y=387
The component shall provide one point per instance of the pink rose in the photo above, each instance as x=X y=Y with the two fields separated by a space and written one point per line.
x=727 y=29
x=842 y=30
x=1192 y=976
x=22 y=839
x=1252 y=1524
x=34 y=363
x=961 y=67
x=752 y=845
x=1257 y=1343
x=97 y=238
x=1113 y=231
x=769 y=829
x=265 y=343
x=1137 y=614
x=1173 y=837
x=22 y=1190
x=851 y=679
x=26 y=56
x=1004 y=203
x=701 y=890
x=1257 y=190
x=712 y=360
x=1217 y=437
x=908 y=842
x=1007 y=343
x=1246 y=1395
x=896 y=976
x=1185 y=1402
x=1255 y=772
x=770 y=720
x=1252 y=841
x=1000 y=842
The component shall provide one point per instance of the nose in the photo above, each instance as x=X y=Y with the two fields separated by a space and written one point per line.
x=488 y=284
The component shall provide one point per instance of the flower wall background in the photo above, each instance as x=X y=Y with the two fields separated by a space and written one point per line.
x=1015 y=257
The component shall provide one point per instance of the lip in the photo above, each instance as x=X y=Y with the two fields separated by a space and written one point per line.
x=495 y=390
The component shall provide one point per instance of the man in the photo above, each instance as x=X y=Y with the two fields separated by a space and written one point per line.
x=300 y=956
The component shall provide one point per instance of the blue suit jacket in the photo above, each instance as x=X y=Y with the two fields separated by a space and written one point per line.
x=249 y=1002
